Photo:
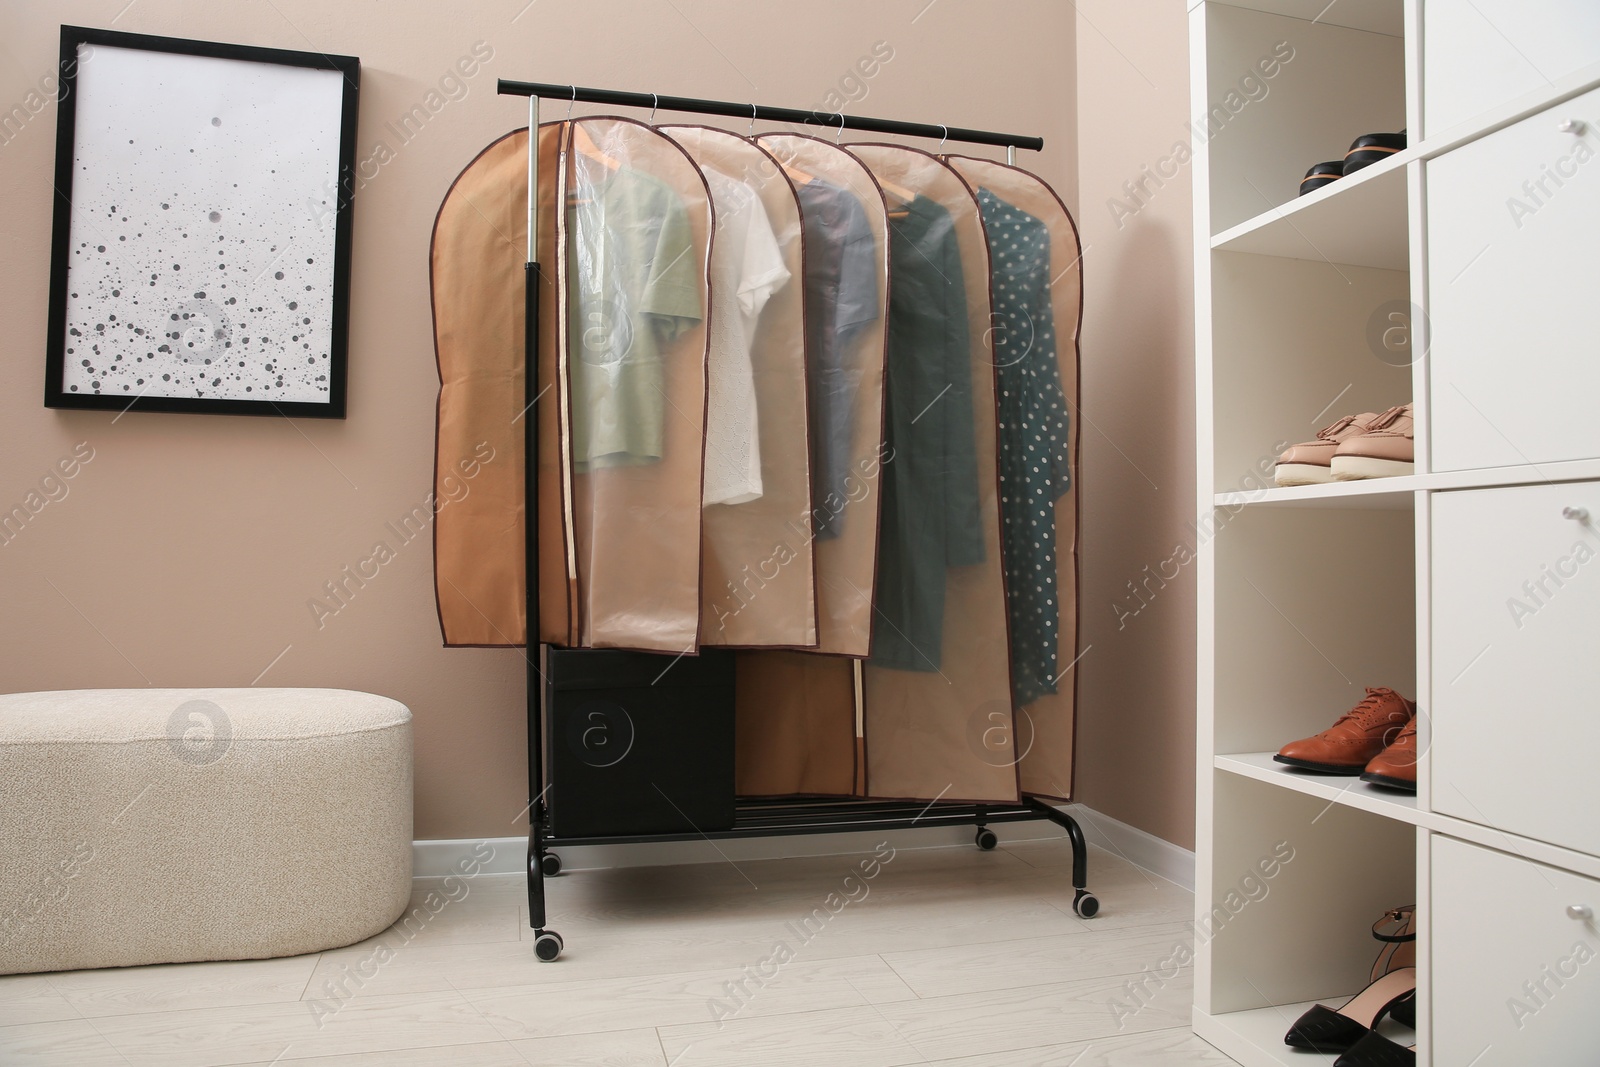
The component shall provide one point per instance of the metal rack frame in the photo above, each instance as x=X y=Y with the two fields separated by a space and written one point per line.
x=754 y=818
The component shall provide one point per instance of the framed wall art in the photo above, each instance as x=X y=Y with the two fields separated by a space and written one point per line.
x=201 y=251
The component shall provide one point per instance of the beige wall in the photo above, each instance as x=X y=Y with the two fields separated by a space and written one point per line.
x=1136 y=729
x=186 y=551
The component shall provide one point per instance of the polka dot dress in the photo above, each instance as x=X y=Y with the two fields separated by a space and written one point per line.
x=1035 y=469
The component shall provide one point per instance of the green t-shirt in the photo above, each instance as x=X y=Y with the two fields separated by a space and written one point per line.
x=634 y=287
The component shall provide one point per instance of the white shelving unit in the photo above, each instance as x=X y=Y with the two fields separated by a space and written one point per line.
x=1411 y=280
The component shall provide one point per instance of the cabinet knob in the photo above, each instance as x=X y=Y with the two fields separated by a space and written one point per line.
x=1581 y=912
x=1575 y=514
x=1570 y=126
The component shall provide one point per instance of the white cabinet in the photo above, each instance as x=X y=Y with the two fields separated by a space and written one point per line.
x=1482 y=53
x=1513 y=225
x=1516 y=961
x=1516 y=660
x=1472 y=584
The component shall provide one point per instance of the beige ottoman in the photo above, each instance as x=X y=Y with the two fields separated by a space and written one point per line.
x=167 y=825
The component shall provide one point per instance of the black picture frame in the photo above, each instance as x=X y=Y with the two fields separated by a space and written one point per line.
x=108 y=349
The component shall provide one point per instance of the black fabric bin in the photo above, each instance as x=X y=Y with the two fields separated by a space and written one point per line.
x=638 y=743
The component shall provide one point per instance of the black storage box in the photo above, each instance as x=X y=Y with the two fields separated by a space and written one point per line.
x=638 y=743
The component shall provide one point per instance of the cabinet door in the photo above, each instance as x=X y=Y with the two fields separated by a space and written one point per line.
x=1513 y=220
x=1516 y=974
x=1516 y=661
x=1478 y=55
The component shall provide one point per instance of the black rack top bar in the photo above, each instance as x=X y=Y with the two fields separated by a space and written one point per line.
x=824 y=120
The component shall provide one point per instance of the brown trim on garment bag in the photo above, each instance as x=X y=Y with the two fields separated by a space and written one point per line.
x=1077 y=480
x=438 y=402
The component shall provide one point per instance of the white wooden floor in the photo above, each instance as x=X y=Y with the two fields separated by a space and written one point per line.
x=953 y=957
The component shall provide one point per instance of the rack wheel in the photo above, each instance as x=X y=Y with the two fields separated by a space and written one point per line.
x=548 y=945
x=1085 y=904
x=550 y=864
x=986 y=838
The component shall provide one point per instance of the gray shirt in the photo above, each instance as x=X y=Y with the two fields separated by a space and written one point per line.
x=841 y=284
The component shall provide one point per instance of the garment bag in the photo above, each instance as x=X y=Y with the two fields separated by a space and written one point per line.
x=937 y=697
x=1037 y=288
x=847 y=282
x=758 y=582
x=476 y=274
x=630 y=382
x=797 y=713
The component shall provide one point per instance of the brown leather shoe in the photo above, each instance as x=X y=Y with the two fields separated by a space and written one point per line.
x=1396 y=766
x=1361 y=733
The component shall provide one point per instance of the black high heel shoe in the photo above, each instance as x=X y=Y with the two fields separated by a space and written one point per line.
x=1375 y=1050
x=1397 y=930
x=1325 y=1029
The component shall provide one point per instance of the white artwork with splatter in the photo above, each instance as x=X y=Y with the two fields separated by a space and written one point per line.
x=203 y=207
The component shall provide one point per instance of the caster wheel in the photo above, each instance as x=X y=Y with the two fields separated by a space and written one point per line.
x=548 y=945
x=986 y=838
x=550 y=864
x=1086 y=904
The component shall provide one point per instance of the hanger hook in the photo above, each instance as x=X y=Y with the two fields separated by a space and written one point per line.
x=654 y=100
x=574 y=100
x=752 y=120
x=945 y=138
x=840 y=134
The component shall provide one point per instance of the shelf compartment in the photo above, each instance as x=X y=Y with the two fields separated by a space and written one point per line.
x=1329 y=85
x=1359 y=220
x=1312 y=606
x=1292 y=350
x=1298 y=929
x=1351 y=792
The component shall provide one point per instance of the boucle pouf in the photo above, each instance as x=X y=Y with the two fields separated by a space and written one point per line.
x=169 y=825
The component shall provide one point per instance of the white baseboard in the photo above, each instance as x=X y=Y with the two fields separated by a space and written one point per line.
x=1140 y=848
x=437 y=858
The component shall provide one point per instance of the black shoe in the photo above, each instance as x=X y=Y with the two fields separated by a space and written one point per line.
x=1325 y=1029
x=1373 y=148
x=1375 y=1050
x=1321 y=174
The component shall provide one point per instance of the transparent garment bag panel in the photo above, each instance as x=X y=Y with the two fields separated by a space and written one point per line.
x=936 y=692
x=476 y=270
x=758 y=581
x=846 y=282
x=637 y=227
x=1037 y=283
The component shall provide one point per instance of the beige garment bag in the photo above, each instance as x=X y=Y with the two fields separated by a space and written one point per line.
x=635 y=231
x=476 y=272
x=758 y=588
x=937 y=699
x=1046 y=723
x=797 y=713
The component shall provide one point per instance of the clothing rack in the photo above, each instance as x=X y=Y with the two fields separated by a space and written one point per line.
x=756 y=818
